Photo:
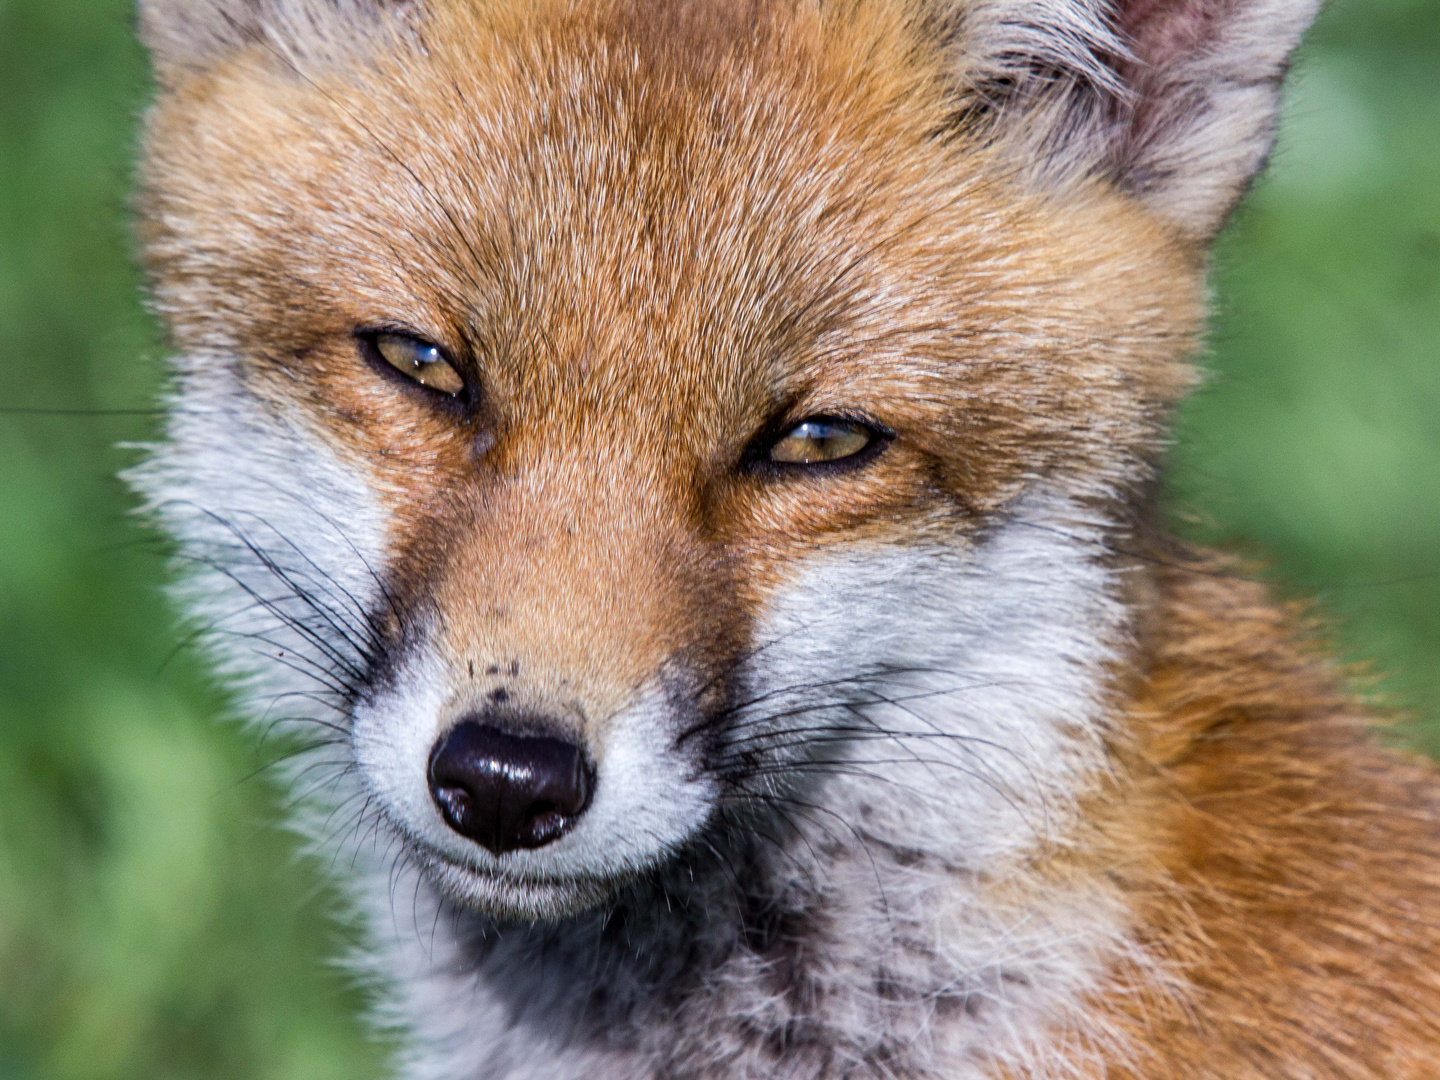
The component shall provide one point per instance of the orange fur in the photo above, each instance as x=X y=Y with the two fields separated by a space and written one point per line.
x=1283 y=862
x=612 y=214
x=696 y=262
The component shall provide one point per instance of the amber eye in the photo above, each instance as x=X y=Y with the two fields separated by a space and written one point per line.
x=420 y=360
x=822 y=439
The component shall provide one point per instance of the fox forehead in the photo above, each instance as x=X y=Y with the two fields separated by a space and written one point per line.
x=652 y=240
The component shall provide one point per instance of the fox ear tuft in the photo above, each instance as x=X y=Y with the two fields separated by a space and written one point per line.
x=1173 y=100
x=185 y=36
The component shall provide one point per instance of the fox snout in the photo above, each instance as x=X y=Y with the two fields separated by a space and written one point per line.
x=544 y=661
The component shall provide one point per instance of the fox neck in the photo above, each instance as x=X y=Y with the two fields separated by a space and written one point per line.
x=917 y=896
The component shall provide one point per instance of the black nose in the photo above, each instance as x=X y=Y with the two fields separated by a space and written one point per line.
x=508 y=791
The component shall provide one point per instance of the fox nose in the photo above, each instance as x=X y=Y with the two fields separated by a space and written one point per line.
x=508 y=791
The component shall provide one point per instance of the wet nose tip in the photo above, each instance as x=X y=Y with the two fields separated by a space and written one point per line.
x=505 y=791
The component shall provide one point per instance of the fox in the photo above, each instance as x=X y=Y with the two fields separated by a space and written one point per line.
x=686 y=476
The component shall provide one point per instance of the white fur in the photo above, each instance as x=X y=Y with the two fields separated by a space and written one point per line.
x=1017 y=635
x=1184 y=132
x=1011 y=639
x=190 y=34
x=264 y=507
x=915 y=855
x=647 y=801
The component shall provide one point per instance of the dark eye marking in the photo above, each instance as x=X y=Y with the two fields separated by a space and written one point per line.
x=415 y=358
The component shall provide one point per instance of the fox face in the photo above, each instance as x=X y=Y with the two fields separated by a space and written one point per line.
x=661 y=442
x=682 y=392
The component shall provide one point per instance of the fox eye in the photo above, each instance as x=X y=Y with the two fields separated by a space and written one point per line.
x=422 y=361
x=822 y=439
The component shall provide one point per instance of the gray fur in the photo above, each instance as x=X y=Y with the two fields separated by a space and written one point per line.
x=1179 y=108
x=190 y=35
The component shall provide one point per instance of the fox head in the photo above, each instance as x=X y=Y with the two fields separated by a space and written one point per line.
x=632 y=430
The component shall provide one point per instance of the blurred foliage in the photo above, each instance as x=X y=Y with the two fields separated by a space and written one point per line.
x=156 y=925
x=1315 y=444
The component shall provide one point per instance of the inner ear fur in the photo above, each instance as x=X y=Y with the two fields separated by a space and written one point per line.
x=188 y=36
x=1175 y=101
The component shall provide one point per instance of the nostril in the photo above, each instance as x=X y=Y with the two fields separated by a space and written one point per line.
x=506 y=791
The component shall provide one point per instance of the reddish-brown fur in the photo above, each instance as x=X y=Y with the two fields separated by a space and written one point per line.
x=1285 y=863
x=1283 y=867
x=686 y=282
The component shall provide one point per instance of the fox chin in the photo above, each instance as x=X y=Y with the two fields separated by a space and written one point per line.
x=686 y=472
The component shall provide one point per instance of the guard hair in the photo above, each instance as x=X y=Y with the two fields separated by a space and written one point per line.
x=1173 y=100
x=188 y=36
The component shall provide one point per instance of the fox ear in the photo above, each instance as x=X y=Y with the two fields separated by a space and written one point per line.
x=1173 y=100
x=190 y=35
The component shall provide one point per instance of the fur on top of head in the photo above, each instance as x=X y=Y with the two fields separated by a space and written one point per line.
x=1173 y=100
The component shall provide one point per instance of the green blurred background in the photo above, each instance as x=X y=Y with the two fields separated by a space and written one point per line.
x=153 y=921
